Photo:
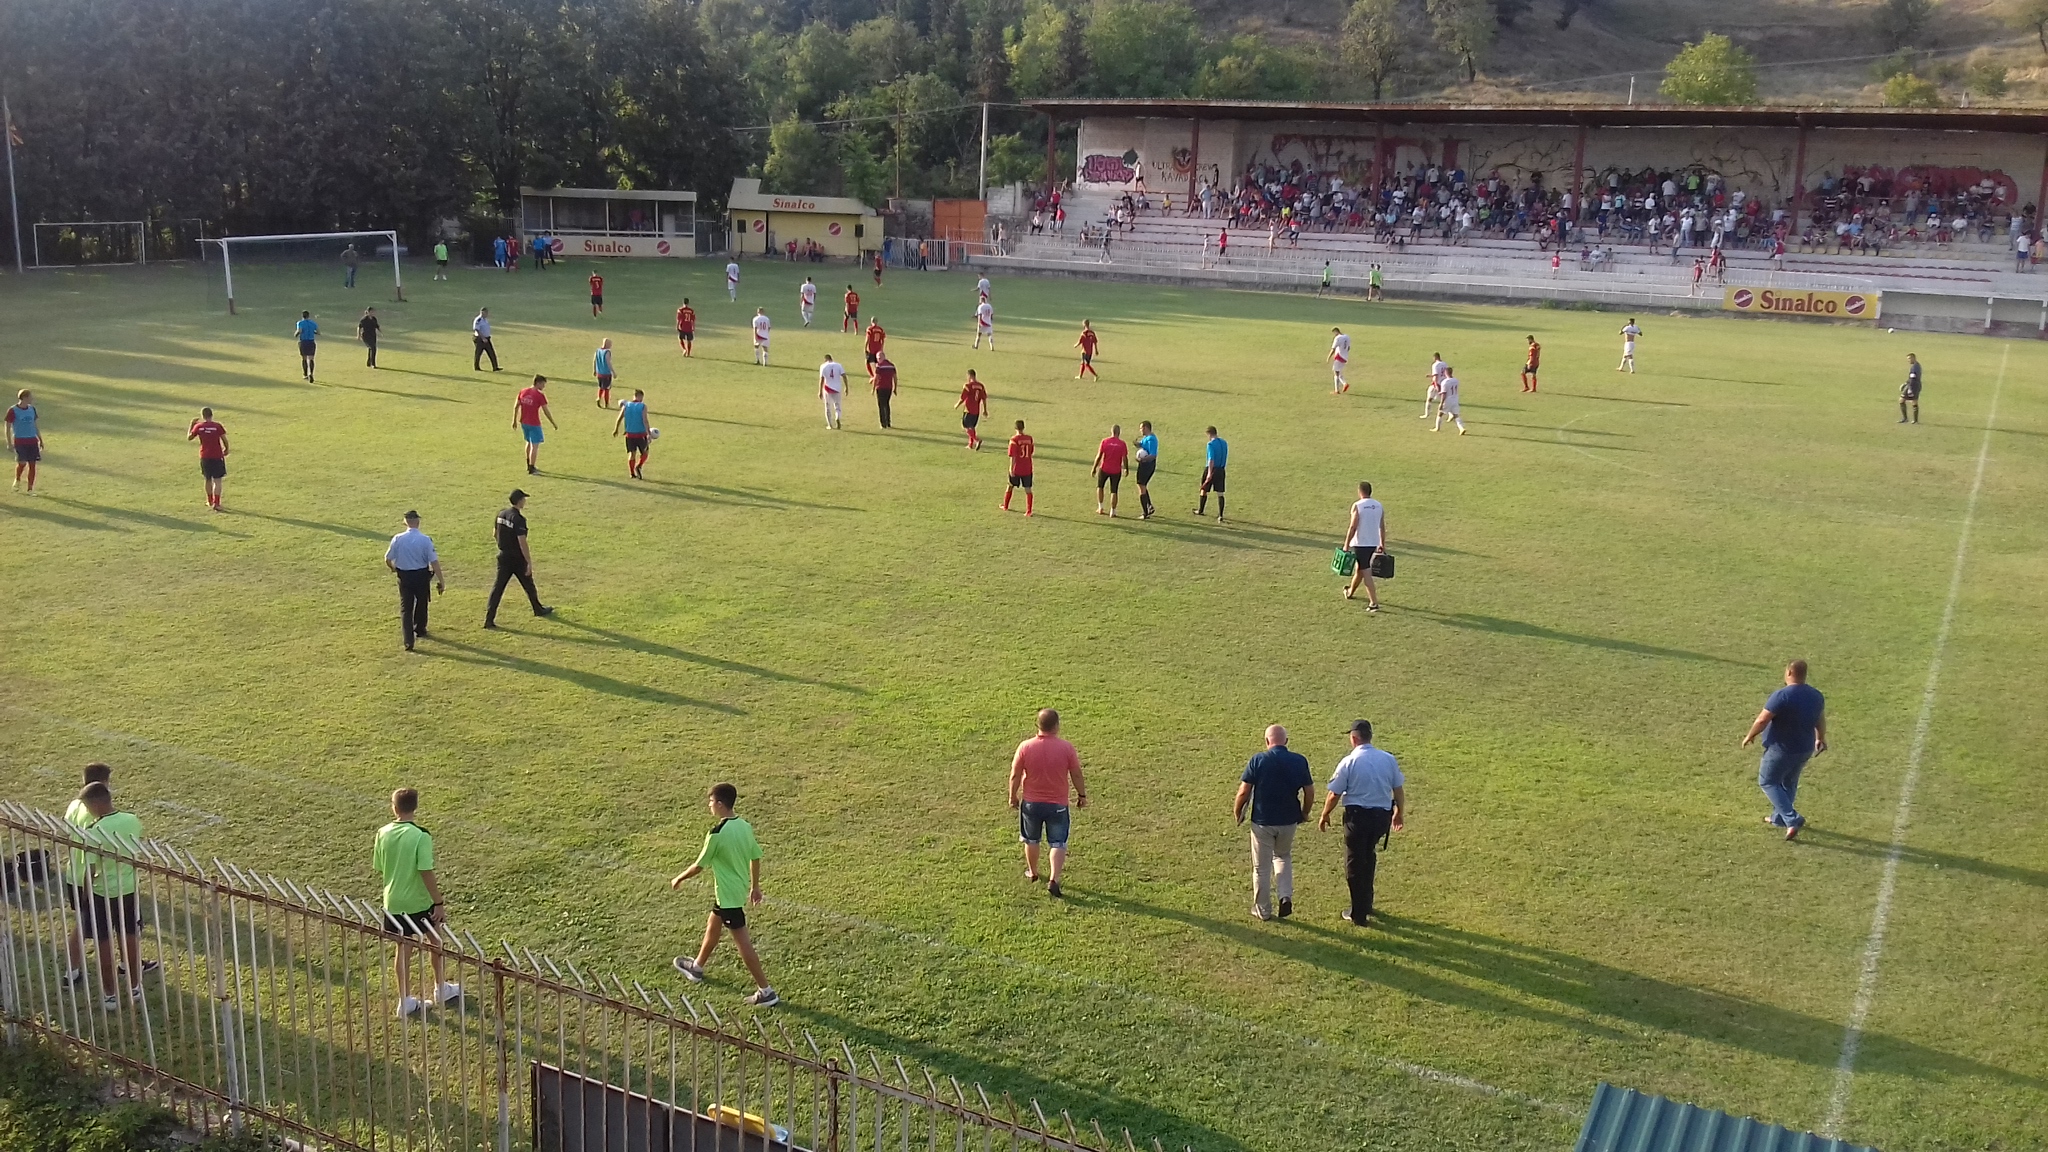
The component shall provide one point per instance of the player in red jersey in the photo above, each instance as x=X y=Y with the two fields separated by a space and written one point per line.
x=1529 y=365
x=596 y=294
x=852 y=321
x=213 y=454
x=686 y=326
x=973 y=404
x=1021 y=449
x=878 y=271
x=875 y=338
x=1087 y=346
x=1112 y=460
x=527 y=410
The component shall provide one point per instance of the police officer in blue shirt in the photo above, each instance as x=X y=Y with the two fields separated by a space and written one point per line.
x=412 y=557
x=1368 y=785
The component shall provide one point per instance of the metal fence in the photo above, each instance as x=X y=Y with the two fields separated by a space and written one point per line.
x=270 y=1004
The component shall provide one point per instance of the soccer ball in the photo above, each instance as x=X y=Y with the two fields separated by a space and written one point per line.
x=654 y=433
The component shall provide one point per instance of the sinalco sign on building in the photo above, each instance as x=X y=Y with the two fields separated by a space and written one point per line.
x=622 y=246
x=1788 y=302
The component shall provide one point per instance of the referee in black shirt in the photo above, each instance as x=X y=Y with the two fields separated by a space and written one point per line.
x=515 y=560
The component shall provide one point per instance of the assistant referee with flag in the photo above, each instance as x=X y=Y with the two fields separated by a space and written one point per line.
x=412 y=556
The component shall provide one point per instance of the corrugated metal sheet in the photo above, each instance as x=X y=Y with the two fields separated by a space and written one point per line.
x=2028 y=121
x=1624 y=1120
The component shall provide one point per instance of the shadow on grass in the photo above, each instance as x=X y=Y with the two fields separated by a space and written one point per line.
x=1145 y=1121
x=1623 y=400
x=1182 y=532
x=609 y=638
x=32 y=512
x=900 y=433
x=488 y=658
x=1508 y=627
x=1878 y=850
x=392 y=391
x=1556 y=443
x=152 y=519
x=319 y=526
x=1551 y=428
x=1501 y=977
x=703 y=493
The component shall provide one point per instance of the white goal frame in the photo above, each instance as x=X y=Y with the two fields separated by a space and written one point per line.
x=141 y=239
x=227 y=263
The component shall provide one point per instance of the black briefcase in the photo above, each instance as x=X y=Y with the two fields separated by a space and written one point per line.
x=1383 y=565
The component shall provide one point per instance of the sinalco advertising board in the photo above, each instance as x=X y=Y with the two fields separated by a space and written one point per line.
x=623 y=246
x=1793 y=302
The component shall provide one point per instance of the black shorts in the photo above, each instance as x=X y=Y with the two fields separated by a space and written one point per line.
x=212 y=467
x=306 y=347
x=597 y=298
x=440 y=263
x=1212 y=479
x=1912 y=394
x=855 y=316
x=872 y=357
x=28 y=450
x=970 y=419
x=1087 y=357
x=411 y=923
x=74 y=894
x=1145 y=470
x=730 y=917
x=635 y=444
x=604 y=383
x=1113 y=479
x=1363 y=553
x=105 y=917
x=1023 y=481
x=685 y=334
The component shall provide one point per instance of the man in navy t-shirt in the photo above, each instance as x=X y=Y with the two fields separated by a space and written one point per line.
x=1280 y=789
x=1794 y=726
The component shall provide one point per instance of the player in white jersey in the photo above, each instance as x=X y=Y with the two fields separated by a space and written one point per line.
x=808 y=296
x=981 y=286
x=832 y=388
x=985 y=324
x=1447 y=403
x=732 y=281
x=1340 y=354
x=1437 y=371
x=1629 y=332
x=761 y=336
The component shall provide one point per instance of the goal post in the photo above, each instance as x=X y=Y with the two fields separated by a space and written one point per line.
x=77 y=243
x=228 y=244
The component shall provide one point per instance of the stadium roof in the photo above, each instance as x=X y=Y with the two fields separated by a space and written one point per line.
x=1624 y=1120
x=2022 y=120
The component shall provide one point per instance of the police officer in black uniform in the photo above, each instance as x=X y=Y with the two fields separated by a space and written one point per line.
x=515 y=560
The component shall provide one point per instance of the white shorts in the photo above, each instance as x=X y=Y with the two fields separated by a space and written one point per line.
x=1435 y=390
x=1450 y=406
x=1628 y=349
x=1337 y=363
x=985 y=329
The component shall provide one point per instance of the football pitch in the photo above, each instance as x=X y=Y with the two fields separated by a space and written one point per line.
x=1597 y=588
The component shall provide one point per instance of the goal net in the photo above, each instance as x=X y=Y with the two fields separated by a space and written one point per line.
x=75 y=243
x=282 y=270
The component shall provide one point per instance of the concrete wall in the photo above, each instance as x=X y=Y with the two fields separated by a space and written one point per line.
x=1760 y=161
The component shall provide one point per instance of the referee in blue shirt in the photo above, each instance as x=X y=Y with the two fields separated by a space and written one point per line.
x=1367 y=784
x=412 y=556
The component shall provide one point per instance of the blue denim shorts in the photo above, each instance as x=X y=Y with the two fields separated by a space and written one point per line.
x=1037 y=821
x=1780 y=767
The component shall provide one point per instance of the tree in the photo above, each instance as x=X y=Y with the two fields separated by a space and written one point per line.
x=991 y=78
x=1713 y=71
x=1040 y=63
x=820 y=69
x=1907 y=90
x=1506 y=12
x=2032 y=16
x=1252 y=68
x=1375 y=43
x=1986 y=77
x=1899 y=22
x=1142 y=47
x=1465 y=29
x=799 y=159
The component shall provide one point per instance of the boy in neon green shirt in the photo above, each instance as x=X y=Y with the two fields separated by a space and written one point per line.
x=733 y=857
x=110 y=901
x=404 y=856
x=80 y=817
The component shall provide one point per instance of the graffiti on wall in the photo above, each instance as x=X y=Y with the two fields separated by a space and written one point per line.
x=1101 y=169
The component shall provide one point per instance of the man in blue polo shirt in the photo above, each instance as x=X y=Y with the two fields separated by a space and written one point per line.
x=1280 y=788
x=308 y=333
x=1215 y=457
x=1794 y=726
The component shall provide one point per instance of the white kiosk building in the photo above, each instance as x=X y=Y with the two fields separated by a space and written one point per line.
x=610 y=222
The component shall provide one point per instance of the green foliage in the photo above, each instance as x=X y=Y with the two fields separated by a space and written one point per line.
x=1506 y=12
x=1907 y=90
x=1894 y=64
x=1985 y=77
x=1142 y=47
x=48 y=1104
x=799 y=160
x=1713 y=71
x=1251 y=68
x=1014 y=157
x=1376 y=44
x=2032 y=16
x=820 y=69
x=1045 y=53
x=1465 y=29
x=1899 y=23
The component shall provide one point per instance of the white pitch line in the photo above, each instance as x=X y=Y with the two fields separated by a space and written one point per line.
x=1887 y=885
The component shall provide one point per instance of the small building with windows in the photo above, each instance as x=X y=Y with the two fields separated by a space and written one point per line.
x=610 y=221
x=763 y=223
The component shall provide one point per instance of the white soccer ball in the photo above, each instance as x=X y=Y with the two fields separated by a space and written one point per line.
x=1892 y=331
x=654 y=433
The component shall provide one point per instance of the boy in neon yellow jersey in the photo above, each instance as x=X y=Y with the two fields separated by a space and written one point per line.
x=734 y=859
x=404 y=857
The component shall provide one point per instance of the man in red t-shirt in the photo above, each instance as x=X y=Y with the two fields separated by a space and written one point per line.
x=876 y=337
x=596 y=293
x=1040 y=775
x=213 y=454
x=883 y=374
x=852 y=321
x=1529 y=365
x=972 y=403
x=1087 y=346
x=686 y=326
x=1112 y=460
x=1021 y=449
x=527 y=411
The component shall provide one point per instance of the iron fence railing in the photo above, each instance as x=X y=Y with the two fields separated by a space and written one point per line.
x=269 y=1003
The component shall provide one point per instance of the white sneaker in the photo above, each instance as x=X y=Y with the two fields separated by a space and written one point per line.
x=409 y=1006
x=763 y=998
x=689 y=969
x=447 y=993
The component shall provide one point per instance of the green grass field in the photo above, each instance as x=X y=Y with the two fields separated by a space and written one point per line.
x=1597 y=588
